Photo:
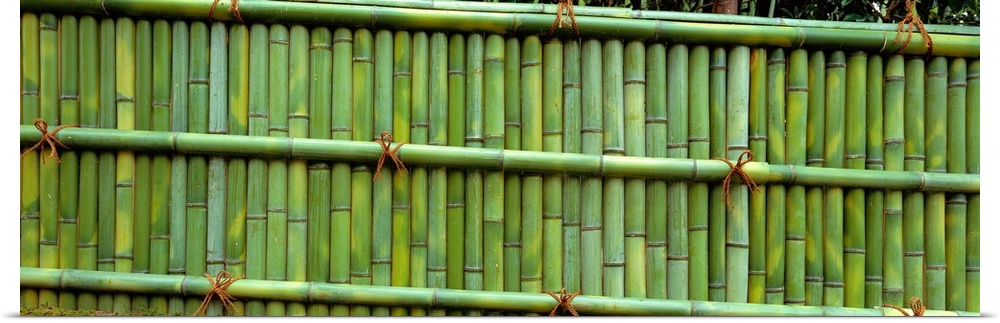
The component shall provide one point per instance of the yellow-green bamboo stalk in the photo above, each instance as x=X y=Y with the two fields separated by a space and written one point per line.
x=143 y=113
x=298 y=127
x=318 y=233
x=571 y=184
x=677 y=191
x=531 y=190
x=29 y=223
x=218 y=118
x=972 y=167
x=796 y=116
x=956 y=214
x=776 y=212
x=382 y=199
x=737 y=222
x=256 y=208
x=656 y=190
x=913 y=202
x=160 y=187
x=717 y=149
x=402 y=76
x=833 y=197
x=48 y=92
x=437 y=134
x=277 y=181
x=699 y=125
x=854 y=244
x=552 y=184
x=892 y=257
x=936 y=121
x=125 y=56
x=89 y=117
x=874 y=199
x=634 y=100
x=757 y=141
x=236 y=184
x=69 y=167
x=493 y=187
x=340 y=195
x=614 y=188
x=814 y=195
x=512 y=181
x=361 y=175
x=178 y=165
x=420 y=98
x=473 y=264
x=591 y=140
x=456 y=178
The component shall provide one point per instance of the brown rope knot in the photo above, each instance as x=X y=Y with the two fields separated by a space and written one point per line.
x=916 y=306
x=738 y=169
x=566 y=5
x=910 y=20
x=234 y=7
x=385 y=141
x=219 y=285
x=563 y=300
x=48 y=138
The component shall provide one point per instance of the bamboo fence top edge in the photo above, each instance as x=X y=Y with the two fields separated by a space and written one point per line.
x=529 y=19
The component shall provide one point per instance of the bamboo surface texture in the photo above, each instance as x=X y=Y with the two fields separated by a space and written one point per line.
x=519 y=164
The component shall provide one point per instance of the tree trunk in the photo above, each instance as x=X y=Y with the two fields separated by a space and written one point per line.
x=726 y=7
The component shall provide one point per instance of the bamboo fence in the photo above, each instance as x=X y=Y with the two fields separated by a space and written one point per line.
x=527 y=163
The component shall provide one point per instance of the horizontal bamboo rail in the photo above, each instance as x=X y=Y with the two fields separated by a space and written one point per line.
x=382 y=17
x=315 y=292
x=498 y=159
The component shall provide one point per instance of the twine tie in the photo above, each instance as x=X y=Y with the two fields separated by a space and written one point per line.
x=737 y=169
x=48 y=138
x=234 y=7
x=219 y=285
x=385 y=141
x=566 y=5
x=916 y=306
x=911 y=20
x=563 y=300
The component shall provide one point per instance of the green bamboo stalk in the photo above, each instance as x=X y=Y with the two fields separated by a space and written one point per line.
x=198 y=172
x=277 y=181
x=318 y=195
x=473 y=130
x=361 y=175
x=757 y=142
x=737 y=225
x=340 y=195
x=552 y=184
x=854 y=245
x=48 y=87
x=956 y=214
x=298 y=127
x=936 y=121
x=493 y=186
x=677 y=139
x=531 y=140
x=656 y=146
x=972 y=167
x=456 y=179
x=106 y=180
x=69 y=167
x=814 y=195
x=571 y=184
x=699 y=126
x=125 y=56
x=402 y=76
x=512 y=181
x=382 y=200
x=256 y=208
x=418 y=189
x=89 y=114
x=178 y=164
x=614 y=188
x=913 y=202
x=591 y=140
x=717 y=149
x=796 y=117
x=892 y=257
x=218 y=117
x=874 y=199
x=776 y=213
x=436 y=187
x=833 y=197
x=143 y=117
x=236 y=168
x=160 y=186
x=29 y=163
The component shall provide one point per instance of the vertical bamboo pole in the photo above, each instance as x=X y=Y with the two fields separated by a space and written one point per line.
x=319 y=195
x=717 y=149
x=531 y=140
x=833 y=199
x=361 y=175
x=512 y=181
x=913 y=202
x=796 y=117
x=218 y=123
x=258 y=121
x=677 y=191
x=456 y=178
x=656 y=190
x=874 y=199
x=757 y=141
x=159 y=244
x=197 y=181
x=614 y=188
x=402 y=76
x=814 y=195
x=124 y=185
x=936 y=121
x=591 y=139
x=634 y=93
x=552 y=188
x=69 y=167
x=571 y=184
x=972 y=167
x=29 y=163
x=737 y=222
x=298 y=127
x=340 y=194
x=473 y=269
x=420 y=101
x=776 y=212
x=437 y=134
x=699 y=126
x=236 y=176
x=48 y=87
x=854 y=245
x=277 y=172
x=892 y=257
x=178 y=164
x=382 y=199
x=89 y=65
x=957 y=204
x=143 y=115
x=493 y=187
